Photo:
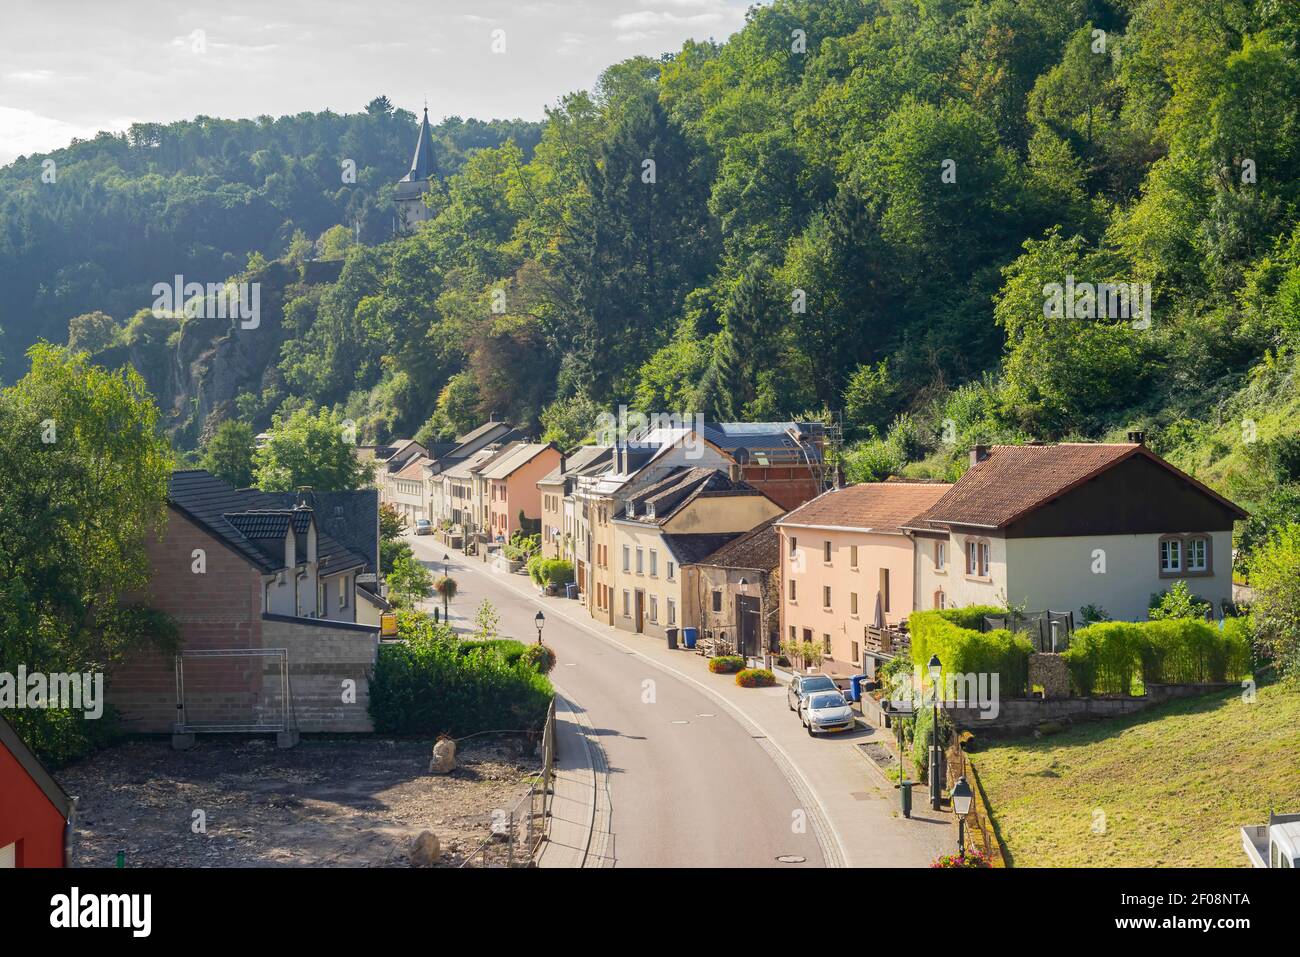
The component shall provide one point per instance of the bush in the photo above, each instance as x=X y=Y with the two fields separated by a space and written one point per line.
x=59 y=737
x=921 y=725
x=508 y=648
x=431 y=684
x=1178 y=602
x=726 y=664
x=970 y=858
x=1275 y=610
x=963 y=650
x=540 y=657
x=1105 y=658
x=755 y=678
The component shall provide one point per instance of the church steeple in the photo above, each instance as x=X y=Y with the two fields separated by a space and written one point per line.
x=422 y=161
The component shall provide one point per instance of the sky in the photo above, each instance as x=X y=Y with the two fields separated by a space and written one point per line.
x=69 y=68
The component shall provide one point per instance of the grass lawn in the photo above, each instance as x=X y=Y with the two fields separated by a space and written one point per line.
x=1174 y=783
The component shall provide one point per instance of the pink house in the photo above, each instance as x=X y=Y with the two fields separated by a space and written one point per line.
x=847 y=565
x=511 y=485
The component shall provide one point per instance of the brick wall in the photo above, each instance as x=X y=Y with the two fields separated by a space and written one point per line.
x=322 y=655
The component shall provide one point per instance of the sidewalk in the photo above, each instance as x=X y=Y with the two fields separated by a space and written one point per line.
x=850 y=805
x=577 y=830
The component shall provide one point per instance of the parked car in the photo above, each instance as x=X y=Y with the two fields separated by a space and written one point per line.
x=423 y=526
x=825 y=711
x=803 y=685
x=1275 y=844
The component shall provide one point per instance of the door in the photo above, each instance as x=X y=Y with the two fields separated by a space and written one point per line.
x=747 y=625
x=640 y=611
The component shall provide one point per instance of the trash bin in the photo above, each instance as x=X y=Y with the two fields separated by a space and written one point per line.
x=905 y=797
x=855 y=687
x=571 y=590
x=672 y=637
x=689 y=634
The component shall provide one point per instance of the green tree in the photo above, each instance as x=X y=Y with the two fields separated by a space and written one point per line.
x=311 y=450
x=229 y=453
x=409 y=582
x=1275 y=607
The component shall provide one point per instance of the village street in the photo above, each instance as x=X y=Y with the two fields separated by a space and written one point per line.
x=700 y=772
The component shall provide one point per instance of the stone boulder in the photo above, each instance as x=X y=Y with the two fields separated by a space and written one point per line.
x=425 y=850
x=444 y=757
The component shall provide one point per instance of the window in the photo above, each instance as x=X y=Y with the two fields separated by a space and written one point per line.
x=826 y=552
x=940 y=556
x=826 y=645
x=1197 y=555
x=627 y=558
x=672 y=612
x=984 y=559
x=853 y=556
x=884 y=589
x=792 y=591
x=977 y=558
x=826 y=596
x=793 y=636
x=343 y=592
x=627 y=603
x=794 y=546
x=940 y=600
x=717 y=600
x=654 y=609
x=654 y=563
x=670 y=571
x=853 y=645
x=1171 y=555
x=970 y=558
x=853 y=605
x=640 y=560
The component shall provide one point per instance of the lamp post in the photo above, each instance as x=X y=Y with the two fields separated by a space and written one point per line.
x=743 y=586
x=936 y=787
x=962 y=798
x=445 y=566
x=540 y=620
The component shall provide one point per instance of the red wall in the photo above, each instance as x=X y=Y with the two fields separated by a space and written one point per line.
x=27 y=817
x=788 y=486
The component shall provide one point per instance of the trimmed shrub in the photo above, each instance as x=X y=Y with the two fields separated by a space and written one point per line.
x=726 y=664
x=966 y=651
x=429 y=685
x=1105 y=658
x=755 y=678
x=507 y=648
x=972 y=616
x=540 y=657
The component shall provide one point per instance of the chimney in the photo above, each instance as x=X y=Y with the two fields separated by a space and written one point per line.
x=1138 y=438
x=978 y=453
x=564 y=462
x=304 y=497
x=733 y=471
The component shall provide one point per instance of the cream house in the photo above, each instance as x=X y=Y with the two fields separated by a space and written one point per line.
x=1060 y=527
x=677 y=521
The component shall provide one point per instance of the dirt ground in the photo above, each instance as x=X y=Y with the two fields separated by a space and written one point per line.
x=326 y=802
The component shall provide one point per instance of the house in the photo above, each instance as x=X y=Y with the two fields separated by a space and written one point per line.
x=633 y=465
x=677 y=521
x=464 y=492
x=511 y=486
x=247 y=573
x=736 y=591
x=1060 y=527
x=35 y=813
x=559 y=526
x=847 y=566
x=783 y=460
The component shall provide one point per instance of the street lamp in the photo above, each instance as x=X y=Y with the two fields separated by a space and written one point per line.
x=936 y=789
x=540 y=620
x=445 y=567
x=962 y=798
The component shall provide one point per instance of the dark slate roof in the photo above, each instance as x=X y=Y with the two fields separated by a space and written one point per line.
x=209 y=501
x=422 y=161
x=759 y=548
x=773 y=441
x=349 y=517
x=678 y=489
x=579 y=461
x=692 y=549
x=13 y=743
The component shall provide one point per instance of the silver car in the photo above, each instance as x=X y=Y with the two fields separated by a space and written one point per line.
x=803 y=685
x=825 y=711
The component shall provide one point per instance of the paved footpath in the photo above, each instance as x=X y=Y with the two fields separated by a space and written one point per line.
x=750 y=789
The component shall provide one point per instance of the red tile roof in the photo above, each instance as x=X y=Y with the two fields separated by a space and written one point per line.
x=1016 y=479
x=877 y=506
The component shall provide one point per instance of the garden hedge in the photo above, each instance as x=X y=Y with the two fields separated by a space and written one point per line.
x=964 y=650
x=1104 y=658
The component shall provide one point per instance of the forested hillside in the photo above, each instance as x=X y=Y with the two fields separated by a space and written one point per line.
x=848 y=205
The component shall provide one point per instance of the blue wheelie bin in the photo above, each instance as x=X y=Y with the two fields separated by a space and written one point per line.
x=688 y=637
x=855 y=687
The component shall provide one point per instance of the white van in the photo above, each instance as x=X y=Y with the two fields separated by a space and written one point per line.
x=1275 y=844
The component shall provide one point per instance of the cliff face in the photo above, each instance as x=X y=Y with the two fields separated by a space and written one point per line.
x=197 y=367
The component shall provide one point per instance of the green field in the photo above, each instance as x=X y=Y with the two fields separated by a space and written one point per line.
x=1174 y=784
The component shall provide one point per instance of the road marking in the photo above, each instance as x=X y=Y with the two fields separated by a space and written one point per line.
x=834 y=853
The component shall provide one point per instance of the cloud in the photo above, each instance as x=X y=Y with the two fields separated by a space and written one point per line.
x=23 y=132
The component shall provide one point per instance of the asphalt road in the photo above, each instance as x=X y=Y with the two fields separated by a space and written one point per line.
x=689 y=785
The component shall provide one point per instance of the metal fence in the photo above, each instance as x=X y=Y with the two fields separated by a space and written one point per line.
x=1048 y=630
x=517 y=832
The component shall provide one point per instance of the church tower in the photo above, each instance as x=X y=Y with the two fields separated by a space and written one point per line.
x=411 y=188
